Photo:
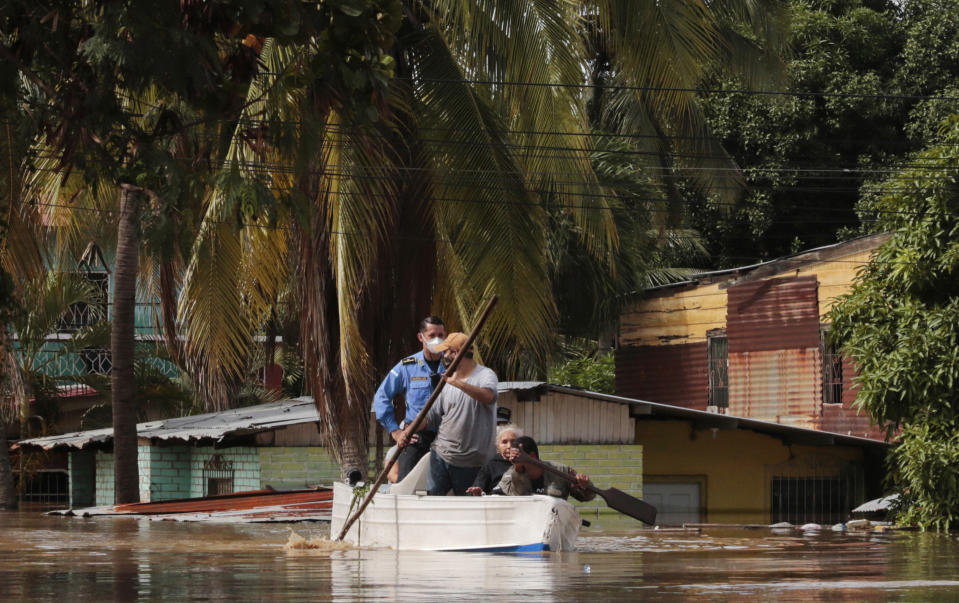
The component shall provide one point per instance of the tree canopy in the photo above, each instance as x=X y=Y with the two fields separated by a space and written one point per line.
x=900 y=324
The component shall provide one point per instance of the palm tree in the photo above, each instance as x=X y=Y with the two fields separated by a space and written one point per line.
x=442 y=200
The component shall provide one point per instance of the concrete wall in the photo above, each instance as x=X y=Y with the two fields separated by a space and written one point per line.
x=81 y=471
x=244 y=460
x=168 y=472
x=610 y=465
x=297 y=467
x=104 y=477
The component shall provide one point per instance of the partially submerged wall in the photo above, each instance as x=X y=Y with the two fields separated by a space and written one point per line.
x=737 y=468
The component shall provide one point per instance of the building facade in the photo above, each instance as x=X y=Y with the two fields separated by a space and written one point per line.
x=750 y=342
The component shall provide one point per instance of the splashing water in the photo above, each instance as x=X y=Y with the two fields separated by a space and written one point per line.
x=317 y=543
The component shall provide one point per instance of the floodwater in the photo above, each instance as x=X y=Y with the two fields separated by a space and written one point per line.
x=123 y=559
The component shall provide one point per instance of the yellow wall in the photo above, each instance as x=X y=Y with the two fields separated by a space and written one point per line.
x=736 y=466
x=685 y=315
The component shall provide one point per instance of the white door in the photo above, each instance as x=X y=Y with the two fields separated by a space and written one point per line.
x=676 y=502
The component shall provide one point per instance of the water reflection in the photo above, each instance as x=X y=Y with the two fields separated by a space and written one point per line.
x=121 y=559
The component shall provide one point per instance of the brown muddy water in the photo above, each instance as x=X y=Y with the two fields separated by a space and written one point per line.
x=121 y=559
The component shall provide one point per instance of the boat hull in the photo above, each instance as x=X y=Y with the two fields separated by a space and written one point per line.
x=458 y=523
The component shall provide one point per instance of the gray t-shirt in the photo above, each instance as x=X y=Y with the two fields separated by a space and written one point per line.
x=467 y=427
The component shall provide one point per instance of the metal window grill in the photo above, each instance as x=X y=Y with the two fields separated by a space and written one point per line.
x=217 y=476
x=82 y=314
x=47 y=487
x=96 y=361
x=831 y=370
x=719 y=371
x=800 y=500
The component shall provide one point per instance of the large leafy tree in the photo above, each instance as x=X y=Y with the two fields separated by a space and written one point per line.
x=446 y=192
x=900 y=324
x=105 y=87
x=807 y=146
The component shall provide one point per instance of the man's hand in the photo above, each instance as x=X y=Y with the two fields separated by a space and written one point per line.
x=582 y=480
x=512 y=454
x=474 y=491
x=401 y=438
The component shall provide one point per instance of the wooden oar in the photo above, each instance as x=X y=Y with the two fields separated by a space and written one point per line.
x=616 y=499
x=420 y=417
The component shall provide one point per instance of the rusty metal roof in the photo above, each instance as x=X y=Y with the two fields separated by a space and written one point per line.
x=210 y=426
x=672 y=374
x=774 y=314
x=779 y=265
x=256 y=506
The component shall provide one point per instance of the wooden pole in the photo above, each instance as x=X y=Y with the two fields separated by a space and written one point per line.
x=418 y=421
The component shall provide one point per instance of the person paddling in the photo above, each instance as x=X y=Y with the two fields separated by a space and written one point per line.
x=524 y=478
x=464 y=416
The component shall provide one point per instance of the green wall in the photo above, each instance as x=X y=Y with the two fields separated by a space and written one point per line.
x=168 y=472
x=607 y=465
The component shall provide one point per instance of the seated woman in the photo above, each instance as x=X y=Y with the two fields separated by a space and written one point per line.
x=493 y=470
x=524 y=478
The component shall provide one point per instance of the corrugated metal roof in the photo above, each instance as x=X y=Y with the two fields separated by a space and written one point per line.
x=781 y=264
x=799 y=435
x=784 y=386
x=877 y=504
x=773 y=314
x=240 y=507
x=215 y=426
x=673 y=374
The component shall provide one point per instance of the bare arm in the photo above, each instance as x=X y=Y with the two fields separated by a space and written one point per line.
x=480 y=394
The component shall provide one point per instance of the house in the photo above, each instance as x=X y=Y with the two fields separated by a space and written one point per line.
x=697 y=466
x=750 y=342
x=249 y=448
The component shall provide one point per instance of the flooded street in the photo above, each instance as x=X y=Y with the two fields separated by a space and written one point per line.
x=123 y=559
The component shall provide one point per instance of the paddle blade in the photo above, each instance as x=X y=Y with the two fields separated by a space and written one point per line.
x=629 y=505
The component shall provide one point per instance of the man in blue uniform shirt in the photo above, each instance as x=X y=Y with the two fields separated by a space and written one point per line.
x=415 y=376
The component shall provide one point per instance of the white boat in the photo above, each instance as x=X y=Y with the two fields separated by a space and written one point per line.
x=405 y=518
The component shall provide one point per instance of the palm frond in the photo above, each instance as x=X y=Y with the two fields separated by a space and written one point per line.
x=491 y=229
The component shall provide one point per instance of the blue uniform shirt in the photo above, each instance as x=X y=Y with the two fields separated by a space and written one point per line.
x=410 y=376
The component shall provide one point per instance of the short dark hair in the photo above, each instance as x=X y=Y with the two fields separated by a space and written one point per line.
x=528 y=445
x=431 y=320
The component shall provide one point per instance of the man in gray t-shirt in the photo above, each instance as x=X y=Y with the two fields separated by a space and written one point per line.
x=464 y=416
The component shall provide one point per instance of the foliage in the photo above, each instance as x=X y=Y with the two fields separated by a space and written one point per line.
x=588 y=371
x=803 y=151
x=926 y=465
x=900 y=324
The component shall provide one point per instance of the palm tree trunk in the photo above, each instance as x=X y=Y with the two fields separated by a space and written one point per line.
x=122 y=348
x=345 y=425
x=8 y=491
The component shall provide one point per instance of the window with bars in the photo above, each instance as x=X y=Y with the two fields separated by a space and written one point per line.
x=800 y=500
x=718 y=359
x=96 y=361
x=832 y=383
x=217 y=476
x=46 y=487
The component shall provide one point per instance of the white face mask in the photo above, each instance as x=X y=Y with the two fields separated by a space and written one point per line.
x=432 y=343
